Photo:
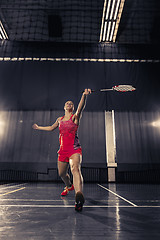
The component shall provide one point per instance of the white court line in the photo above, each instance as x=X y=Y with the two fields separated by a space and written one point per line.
x=45 y=200
x=69 y=200
x=51 y=200
x=118 y=195
x=61 y=206
x=72 y=206
x=13 y=186
x=5 y=184
x=32 y=200
x=16 y=190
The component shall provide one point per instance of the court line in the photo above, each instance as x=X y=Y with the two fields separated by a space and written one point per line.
x=5 y=184
x=45 y=200
x=12 y=191
x=118 y=195
x=72 y=206
x=13 y=186
x=33 y=200
x=69 y=200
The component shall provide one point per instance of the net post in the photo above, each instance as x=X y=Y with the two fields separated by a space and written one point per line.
x=110 y=145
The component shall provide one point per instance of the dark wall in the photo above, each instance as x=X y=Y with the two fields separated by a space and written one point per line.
x=47 y=85
x=137 y=140
x=23 y=148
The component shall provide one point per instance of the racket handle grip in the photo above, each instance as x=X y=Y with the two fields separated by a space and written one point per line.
x=91 y=91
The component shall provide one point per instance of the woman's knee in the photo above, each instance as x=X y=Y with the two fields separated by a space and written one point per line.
x=62 y=174
x=75 y=168
x=62 y=169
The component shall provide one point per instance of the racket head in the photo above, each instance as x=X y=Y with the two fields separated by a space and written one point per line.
x=124 y=88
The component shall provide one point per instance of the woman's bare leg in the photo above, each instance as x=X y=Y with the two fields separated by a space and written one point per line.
x=75 y=165
x=63 y=173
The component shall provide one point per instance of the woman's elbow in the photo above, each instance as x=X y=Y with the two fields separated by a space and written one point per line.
x=51 y=128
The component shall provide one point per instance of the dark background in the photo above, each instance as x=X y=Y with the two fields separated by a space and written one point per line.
x=46 y=85
x=59 y=68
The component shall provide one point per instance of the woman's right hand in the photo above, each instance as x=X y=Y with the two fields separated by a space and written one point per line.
x=35 y=126
x=87 y=91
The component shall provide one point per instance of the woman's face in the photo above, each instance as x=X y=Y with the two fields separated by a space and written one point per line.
x=69 y=106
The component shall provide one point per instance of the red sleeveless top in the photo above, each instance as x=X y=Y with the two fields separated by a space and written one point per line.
x=68 y=137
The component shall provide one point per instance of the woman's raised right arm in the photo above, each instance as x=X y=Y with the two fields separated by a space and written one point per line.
x=47 y=128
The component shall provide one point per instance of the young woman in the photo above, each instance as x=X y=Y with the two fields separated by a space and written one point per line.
x=70 y=151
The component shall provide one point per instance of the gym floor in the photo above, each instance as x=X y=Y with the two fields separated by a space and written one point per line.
x=36 y=211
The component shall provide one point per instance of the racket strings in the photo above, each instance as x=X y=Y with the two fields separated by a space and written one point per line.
x=124 y=88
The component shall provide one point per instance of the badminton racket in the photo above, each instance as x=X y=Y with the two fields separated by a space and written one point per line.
x=118 y=88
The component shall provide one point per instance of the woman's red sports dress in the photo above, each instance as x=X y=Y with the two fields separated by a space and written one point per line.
x=68 y=139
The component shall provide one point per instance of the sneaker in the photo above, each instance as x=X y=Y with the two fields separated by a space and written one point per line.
x=67 y=190
x=79 y=201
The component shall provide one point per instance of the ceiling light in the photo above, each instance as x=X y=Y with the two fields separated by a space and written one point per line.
x=3 y=34
x=112 y=12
